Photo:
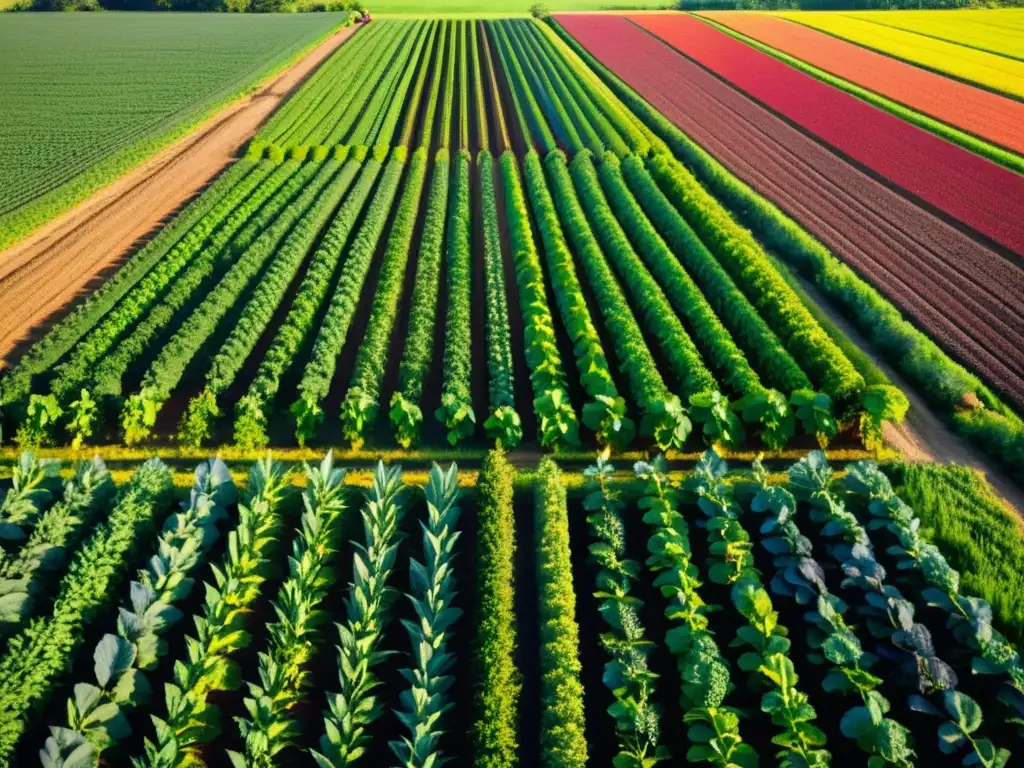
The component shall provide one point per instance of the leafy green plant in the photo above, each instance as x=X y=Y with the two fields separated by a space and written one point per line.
x=432 y=585
x=961 y=718
x=36 y=657
x=97 y=713
x=626 y=674
x=206 y=666
x=352 y=710
x=41 y=418
x=714 y=728
x=270 y=726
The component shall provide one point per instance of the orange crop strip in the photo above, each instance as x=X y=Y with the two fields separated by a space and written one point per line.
x=984 y=114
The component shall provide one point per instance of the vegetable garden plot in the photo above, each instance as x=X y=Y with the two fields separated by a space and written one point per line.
x=804 y=613
x=909 y=255
x=251 y=314
x=969 y=189
x=976 y=111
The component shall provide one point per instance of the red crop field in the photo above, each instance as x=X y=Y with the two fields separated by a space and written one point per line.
x=982 y=113
x=967 y=297
x=981 y=194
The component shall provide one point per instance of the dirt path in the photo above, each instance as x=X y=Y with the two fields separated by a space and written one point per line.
x=923 y=436
x=43 y=274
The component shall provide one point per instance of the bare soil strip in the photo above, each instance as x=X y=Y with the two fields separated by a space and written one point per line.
x=42 y=274
x=923 y=436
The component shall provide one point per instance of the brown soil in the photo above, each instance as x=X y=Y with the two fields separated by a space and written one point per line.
x=42 y=274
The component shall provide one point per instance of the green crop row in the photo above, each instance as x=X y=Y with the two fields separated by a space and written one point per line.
x=497 y=679
x=319 y=370
x=605 y=413
x=191 y=720
x=503 y=424
x=456 y=409
x=405 y=406
x=251 y=411
x=563 y=739
x=362 y=402
x=558 y=422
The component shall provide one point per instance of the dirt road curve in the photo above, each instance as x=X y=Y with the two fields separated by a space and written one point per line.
x=42 y=274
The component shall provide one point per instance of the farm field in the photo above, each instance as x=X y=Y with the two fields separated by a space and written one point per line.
x=396 y=204
x=981 y=113
x=989 y=70
x=903 y=250
x=91 y=122
x=572 y=398
x=801 y=615
x=1000 y=32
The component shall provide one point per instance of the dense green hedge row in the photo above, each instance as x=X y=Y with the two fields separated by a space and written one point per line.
x=497 y=679
x=563 y=741
x=405 y=410
x=558 y=425
x=479 y=100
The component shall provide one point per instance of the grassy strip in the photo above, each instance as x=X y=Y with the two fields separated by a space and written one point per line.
x=978 y=534
x=971 y=143
x=497 y=679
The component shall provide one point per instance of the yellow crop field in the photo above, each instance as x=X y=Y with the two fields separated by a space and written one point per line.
x=998 y=32
x=988 y=69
